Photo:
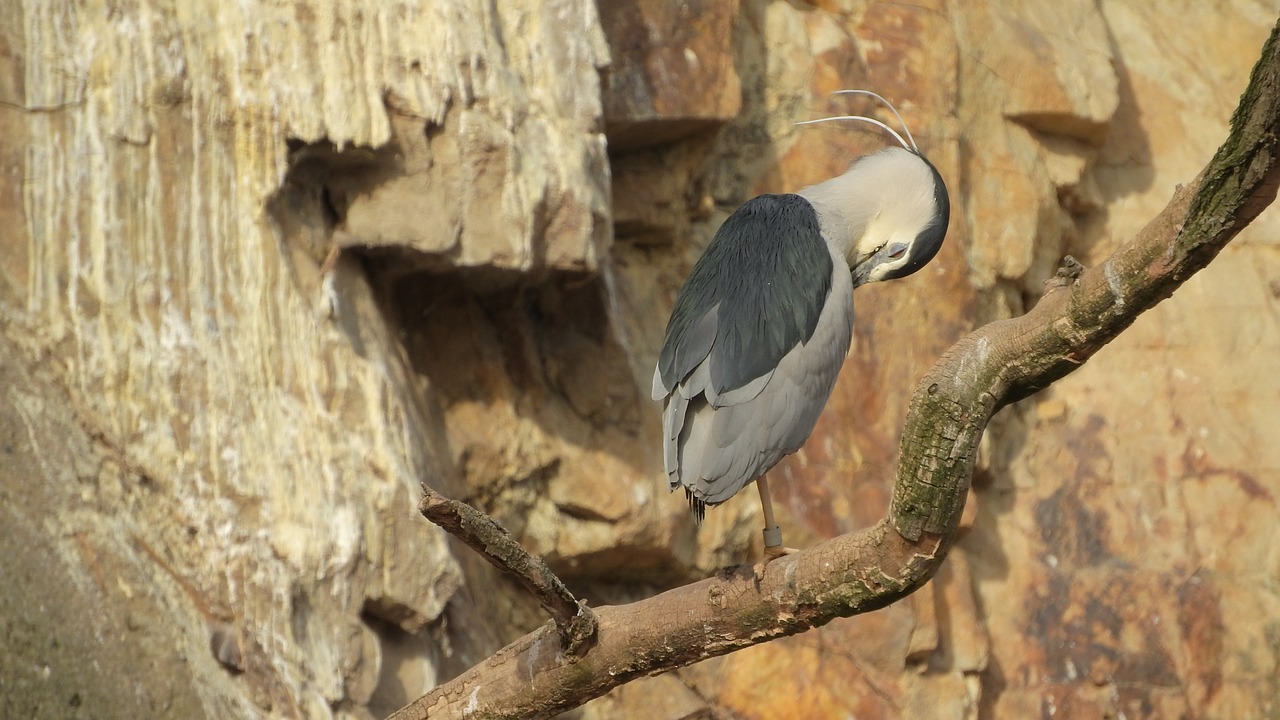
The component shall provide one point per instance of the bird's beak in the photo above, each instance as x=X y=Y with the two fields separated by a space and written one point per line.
x=861 y=270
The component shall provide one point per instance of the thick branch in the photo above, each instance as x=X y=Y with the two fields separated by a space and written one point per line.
x=1008 y=360
x=574 y=621
x=992 y=367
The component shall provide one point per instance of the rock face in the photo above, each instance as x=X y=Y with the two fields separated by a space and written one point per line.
x=244 y=439
x=263 y=276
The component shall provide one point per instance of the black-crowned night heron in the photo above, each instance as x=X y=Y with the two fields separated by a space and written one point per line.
x=762 y=326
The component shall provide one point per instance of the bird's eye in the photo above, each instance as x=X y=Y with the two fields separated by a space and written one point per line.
x=897 y=251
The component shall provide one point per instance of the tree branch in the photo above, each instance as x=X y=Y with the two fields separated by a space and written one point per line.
x=990 y=368
x=574 y=621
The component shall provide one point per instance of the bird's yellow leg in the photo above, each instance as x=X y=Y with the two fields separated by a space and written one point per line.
x=773 y=547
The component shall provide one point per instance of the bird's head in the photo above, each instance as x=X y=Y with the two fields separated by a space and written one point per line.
x=910 y=219
x=888 y=213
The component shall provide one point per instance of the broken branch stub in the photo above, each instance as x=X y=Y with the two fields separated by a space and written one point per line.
x=574 y=621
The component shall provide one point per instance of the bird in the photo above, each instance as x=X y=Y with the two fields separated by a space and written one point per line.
x=761 y=326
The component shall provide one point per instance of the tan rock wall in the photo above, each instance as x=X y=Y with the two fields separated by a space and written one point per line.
x=256 y=437
x=269 y=265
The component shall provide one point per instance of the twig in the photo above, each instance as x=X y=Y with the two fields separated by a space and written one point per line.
x=575 y=622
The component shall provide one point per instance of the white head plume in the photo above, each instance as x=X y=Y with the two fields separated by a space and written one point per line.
x=860 y=118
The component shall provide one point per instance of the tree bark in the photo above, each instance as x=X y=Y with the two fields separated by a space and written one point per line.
x=994 y=366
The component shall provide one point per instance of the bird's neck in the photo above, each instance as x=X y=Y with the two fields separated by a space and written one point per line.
x=845 y=209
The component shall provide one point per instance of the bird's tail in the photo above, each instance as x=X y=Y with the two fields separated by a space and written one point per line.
x=696 y=506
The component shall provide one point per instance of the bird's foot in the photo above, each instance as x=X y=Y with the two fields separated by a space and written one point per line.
x=771 y=553
x=777 y=551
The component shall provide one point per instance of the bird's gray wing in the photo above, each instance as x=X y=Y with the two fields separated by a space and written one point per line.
x=754 y=297
x=756 y=293
x=719 y=449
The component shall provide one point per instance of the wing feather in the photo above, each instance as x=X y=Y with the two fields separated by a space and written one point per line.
x=722 y=448
x=753 y=436
x=756 y=293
